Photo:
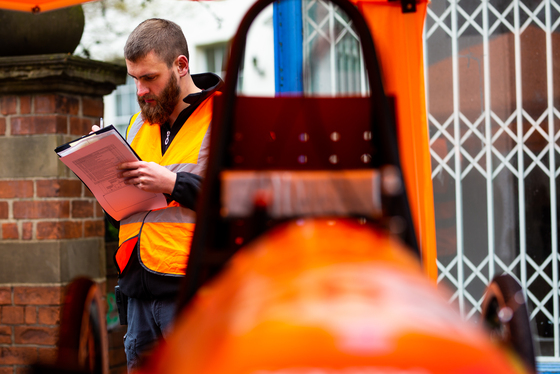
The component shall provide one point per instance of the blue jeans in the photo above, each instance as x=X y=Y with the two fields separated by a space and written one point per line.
x=148 y=321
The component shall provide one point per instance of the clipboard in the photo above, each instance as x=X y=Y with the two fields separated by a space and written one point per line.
x=93 y=158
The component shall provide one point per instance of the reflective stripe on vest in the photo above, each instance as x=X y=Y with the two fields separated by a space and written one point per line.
x=135 y=120
x=165 y=235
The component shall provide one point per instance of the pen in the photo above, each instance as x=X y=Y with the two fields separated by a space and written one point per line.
x=101 y=124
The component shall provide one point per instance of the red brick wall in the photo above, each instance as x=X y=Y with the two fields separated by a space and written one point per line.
x=35 y=209
x=51 y=208
x=50 y=114
x=29 y=318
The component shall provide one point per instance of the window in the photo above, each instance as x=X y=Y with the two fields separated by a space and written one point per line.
x=121 y=105
x=215 y=56
x=331 y=51
x=215 y=60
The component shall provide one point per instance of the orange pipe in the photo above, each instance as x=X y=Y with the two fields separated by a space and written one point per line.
x=398 y=39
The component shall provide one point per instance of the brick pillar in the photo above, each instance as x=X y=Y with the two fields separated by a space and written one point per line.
x=51 y=227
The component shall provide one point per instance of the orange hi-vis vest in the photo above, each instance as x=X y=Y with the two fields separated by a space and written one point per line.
x=164 y=235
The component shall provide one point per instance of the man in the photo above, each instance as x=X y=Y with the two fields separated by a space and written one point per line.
x=171 y=137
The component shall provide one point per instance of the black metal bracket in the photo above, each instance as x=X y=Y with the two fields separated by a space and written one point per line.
x=408 y=6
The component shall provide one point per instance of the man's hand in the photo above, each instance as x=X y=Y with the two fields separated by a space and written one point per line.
x=94 y=128
x=148 y=176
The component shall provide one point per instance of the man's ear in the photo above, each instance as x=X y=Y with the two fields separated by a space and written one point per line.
x=182 y=65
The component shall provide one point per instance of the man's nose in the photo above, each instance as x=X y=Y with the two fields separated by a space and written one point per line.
x=141 y=89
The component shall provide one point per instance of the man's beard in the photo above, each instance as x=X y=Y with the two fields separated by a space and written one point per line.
x=165 y=103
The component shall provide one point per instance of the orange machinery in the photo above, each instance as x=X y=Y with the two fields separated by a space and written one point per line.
x=314 y=250
x=326 y=296
x=397 y=28
x=308 y=251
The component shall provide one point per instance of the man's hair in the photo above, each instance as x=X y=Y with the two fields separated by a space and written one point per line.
x=163 y=37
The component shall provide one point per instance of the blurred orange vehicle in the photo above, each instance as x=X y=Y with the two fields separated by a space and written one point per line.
x=326 y=296
x=307 y=257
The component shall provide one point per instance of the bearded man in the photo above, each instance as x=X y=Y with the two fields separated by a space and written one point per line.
x=171 y=136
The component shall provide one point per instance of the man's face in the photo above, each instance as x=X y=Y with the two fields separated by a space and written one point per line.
x=158 y=108
x=157 y=87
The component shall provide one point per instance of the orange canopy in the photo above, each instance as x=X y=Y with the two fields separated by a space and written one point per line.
x=36 y=6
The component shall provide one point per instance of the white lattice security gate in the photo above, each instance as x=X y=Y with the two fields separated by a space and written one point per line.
x=493 y=90
x=493 y=68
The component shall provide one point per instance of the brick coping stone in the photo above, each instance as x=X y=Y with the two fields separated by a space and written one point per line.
x=59 y=73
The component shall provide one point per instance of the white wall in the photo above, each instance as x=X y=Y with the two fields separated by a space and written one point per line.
x=258 y=73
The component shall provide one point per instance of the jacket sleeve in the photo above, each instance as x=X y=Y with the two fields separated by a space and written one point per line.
x=186 y=190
